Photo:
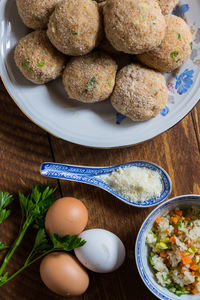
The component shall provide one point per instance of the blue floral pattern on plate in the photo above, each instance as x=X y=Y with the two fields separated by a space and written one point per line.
x=184 y=81
x=119 y=118
x=180 y=10
x=165 y=111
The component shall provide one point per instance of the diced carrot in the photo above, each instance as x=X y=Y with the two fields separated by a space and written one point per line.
x=190 y=242
x=180 y=232
x=175 y=230
x=188 y=216
x=175 y=219
x=183 y=270
x=158 y=220
x=174 y=248
x=186 y=259
x=194 y=267
x=164 y=253
x=170 y=261
x=179 y=212
x=193 y=273
x=167 y=231
x=194 y=291
x=173 y=239
x=180 y=253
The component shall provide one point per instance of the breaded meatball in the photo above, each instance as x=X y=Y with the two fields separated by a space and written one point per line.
x=167 y=6
x=139 y=93
x=75 y=27
x=134 y=26
x=37 y=59
x=90 y=78
x=175 y=49
x=35 y=13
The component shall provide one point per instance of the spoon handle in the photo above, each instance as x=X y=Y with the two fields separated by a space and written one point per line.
x=78 y=170
x=49 y=170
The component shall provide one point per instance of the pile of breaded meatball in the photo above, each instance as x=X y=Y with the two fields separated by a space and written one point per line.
x=80 y=40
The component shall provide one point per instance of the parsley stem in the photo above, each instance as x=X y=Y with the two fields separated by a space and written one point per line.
x=15 y=245
x=27 y=265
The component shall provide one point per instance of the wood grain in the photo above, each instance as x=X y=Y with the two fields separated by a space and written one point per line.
x=176 y=151
x=23 y=146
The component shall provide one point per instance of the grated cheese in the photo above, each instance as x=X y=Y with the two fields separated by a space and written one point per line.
x=137 y=184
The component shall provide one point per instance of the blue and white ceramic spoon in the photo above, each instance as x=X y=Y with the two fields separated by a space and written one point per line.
x=92 y=176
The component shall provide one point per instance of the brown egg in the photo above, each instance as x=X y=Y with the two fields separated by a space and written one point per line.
x=66 y=216
x=63 y=274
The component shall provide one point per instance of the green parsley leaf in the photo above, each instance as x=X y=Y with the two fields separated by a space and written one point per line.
x=36 y=18
x=35 y=205
x=150 y=259
x=4 y=213
x=67 y=243
x=2 y=246
x=5 y=200
x=41 y=245
x=174 y=54
x=191 y=45
x=75 y=33
x=4 y=277
x=85 y=91
x=178 y=293
x=41 y=64
x=169 y=286
x=41 y=241
x=26 y=63
x=179 y=36
x=166 y=278
x=178 y=60
x=92 y=83
x=109 y=83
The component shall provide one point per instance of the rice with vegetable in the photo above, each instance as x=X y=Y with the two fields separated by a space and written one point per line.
x=175 y=250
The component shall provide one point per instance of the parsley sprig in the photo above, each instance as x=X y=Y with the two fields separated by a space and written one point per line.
x=34 y=207
x=5 y=200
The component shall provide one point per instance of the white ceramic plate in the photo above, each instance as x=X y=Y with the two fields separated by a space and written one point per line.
x=95 y=125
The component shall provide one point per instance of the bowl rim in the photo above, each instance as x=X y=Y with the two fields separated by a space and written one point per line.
x=146 y=221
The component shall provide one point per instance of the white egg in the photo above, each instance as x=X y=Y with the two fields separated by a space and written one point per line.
x=103 y=252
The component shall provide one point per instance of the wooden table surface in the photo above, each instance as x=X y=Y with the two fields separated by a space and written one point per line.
x=24 y=146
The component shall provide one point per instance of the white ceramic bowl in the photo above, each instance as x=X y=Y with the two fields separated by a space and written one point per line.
x=142 y=250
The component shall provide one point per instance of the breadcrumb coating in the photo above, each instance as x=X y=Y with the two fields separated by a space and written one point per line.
x=75 y=27
x=134 y=26
x=175 y=49
x=167 y=6
x=35 y=13
x=37 y=59
x=90 y=78
x=140 y=93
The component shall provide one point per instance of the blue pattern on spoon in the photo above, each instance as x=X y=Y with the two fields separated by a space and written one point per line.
x=91 y=175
